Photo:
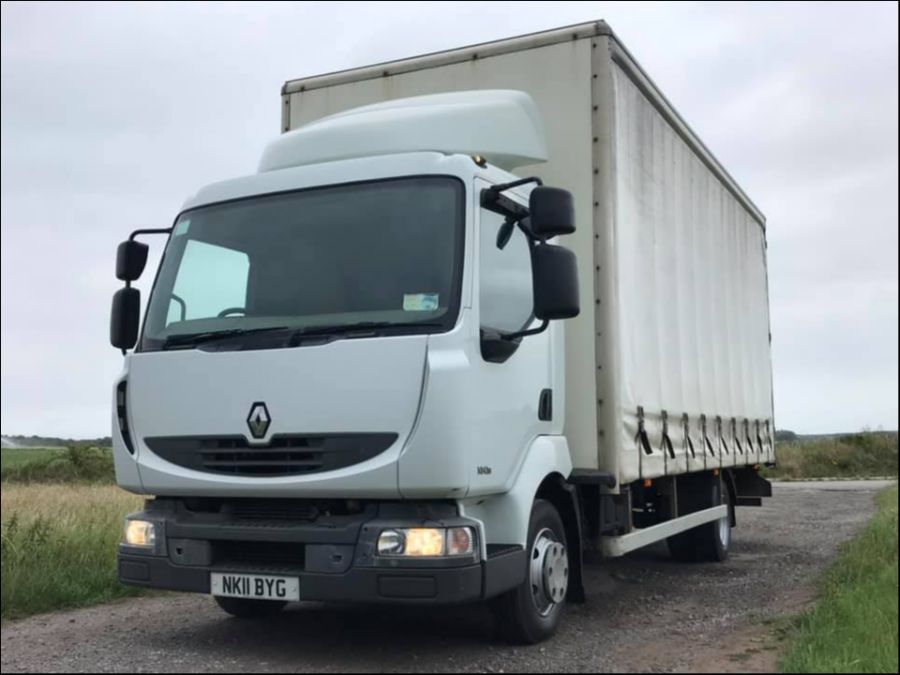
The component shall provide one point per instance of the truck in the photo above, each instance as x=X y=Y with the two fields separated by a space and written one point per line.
x=478 y=315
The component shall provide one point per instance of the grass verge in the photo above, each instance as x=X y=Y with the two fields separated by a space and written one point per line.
x=849 y=456
x=74 y=464
x=853 y=628
x=59 y=546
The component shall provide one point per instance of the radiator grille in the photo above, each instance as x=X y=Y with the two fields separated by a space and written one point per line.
x=284 y=455
x=273 y=509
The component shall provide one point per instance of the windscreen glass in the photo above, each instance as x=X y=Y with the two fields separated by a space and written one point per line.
x=378 y=254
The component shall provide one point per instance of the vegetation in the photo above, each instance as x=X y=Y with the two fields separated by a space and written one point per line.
x=59 y=546
x=51 y=441
x=75 y=464
x=18 y=456
x=853 y=629
x=864 y=454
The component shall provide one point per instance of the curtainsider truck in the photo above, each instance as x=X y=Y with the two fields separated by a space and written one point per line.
x=476 y=314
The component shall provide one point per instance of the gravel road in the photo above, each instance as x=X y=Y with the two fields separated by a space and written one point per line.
x=644 y=612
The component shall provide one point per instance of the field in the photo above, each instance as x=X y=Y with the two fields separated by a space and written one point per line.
x=853 y=628
x=59 y=546
x=75 y=464
x=849 y=456
x=10 y=458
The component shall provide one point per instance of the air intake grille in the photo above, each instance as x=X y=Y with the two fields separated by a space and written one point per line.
x=258 y=554
x=289 y=510
x=283 y=456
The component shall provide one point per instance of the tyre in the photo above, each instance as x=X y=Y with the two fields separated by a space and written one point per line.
x=249 y=609
x=531 y=612
x=709 y=542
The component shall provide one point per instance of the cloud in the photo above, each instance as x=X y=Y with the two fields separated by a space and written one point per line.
x=113 y=113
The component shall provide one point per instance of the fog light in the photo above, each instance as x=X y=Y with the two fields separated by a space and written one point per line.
x=460 y=541
x=140 y=533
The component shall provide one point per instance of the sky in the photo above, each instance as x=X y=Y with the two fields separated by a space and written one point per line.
x=113 y=114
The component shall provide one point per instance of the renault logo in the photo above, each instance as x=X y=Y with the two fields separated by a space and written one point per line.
x=258 y=420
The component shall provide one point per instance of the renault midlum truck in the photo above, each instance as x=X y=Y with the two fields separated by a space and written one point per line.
x=476 y=314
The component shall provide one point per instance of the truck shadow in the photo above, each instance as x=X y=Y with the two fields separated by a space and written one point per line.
x=362 y=635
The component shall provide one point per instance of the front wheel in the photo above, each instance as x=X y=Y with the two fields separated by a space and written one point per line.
x=249 y=609
x=531 y=612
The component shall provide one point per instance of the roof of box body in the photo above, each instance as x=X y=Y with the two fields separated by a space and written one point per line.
x=619 y=54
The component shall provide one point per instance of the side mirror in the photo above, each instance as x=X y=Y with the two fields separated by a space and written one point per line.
x=123 y=321
x=131 y=258
x=552 y=212
x=555 y=271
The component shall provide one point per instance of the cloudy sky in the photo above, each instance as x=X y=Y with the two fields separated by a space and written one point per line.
x=112 y=115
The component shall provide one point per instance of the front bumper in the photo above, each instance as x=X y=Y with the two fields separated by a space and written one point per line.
x=332 y=556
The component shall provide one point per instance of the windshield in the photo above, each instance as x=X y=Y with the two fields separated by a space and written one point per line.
x=379 y=254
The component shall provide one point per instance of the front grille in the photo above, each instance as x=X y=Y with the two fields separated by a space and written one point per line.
x=258 y=555
x=284 y=455
x=273 y=509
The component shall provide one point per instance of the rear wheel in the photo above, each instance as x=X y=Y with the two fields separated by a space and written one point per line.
x=249 y=609
x=531 y=612
x=709 y=542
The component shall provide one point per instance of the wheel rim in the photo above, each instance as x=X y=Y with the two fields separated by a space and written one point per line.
x=549 y=572
x=725 y=531
x=724 y=526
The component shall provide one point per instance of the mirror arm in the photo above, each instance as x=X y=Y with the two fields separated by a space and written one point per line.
x=525 y=333
x=503 y=187
x=493 y=200
x=159 y=230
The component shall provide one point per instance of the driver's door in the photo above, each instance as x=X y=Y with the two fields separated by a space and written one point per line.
x=511 y=382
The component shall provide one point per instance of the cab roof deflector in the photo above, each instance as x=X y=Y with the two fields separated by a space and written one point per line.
x=502 y=126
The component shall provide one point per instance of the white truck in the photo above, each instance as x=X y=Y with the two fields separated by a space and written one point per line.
x=365 y=374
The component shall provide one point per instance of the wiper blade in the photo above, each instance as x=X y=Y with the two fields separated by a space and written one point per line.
x=294 y=335
x=362 y=326
x=193 y=339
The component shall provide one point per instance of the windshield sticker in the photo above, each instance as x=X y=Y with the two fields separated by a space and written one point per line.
x=420 y=302
x=182 y=227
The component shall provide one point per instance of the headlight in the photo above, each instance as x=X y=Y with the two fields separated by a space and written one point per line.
x=426 y=542
x=140 y=533
x=391 y=542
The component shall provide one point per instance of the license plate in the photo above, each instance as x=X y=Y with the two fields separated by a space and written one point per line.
x=255 y=586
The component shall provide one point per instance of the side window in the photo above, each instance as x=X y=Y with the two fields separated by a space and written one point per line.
x=507 y=297
x=210 y=280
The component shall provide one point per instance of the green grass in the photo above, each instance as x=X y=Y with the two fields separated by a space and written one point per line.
x=75 y=464
x=853 y=628
x=850 y=456
x=59 y=546
x=18 y=456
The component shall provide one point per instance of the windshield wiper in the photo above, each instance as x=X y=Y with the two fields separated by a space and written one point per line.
x=294 y=335
x=365 y=327
x=193 y=339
